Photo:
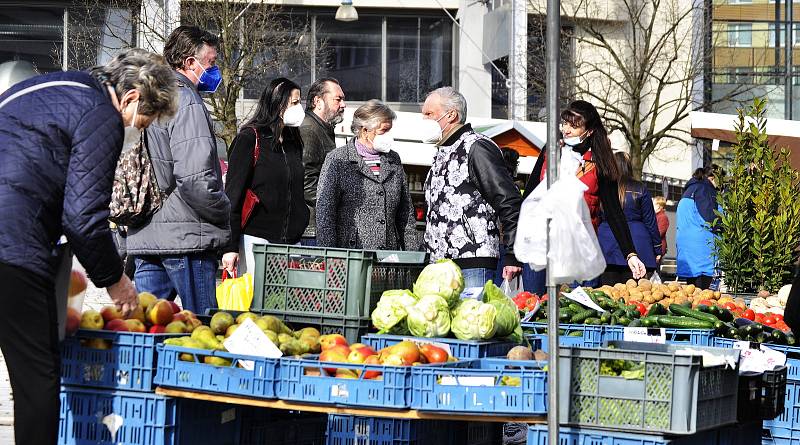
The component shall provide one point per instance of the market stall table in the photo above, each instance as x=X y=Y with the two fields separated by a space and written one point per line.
x=394 y=414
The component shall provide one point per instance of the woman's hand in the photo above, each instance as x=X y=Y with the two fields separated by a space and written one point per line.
x=229 y=261
x=124 y=295
x=637 y=267
x=510 y=272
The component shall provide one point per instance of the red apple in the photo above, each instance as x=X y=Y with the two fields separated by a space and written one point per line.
x=77 y=282
x=135 y=326
x=73 y=321
x=337 y=354
x=372 y=360
x=159 y=312
x=91 y=319
x=408 y=350
x=331 y=340
x=111 y=313
x=117 y=325
x=360 y=355
x=156 y=329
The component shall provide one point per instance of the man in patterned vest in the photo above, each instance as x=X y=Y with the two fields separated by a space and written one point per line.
x=469 y=193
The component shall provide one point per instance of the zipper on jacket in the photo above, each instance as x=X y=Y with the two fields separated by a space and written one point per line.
x=289 y=202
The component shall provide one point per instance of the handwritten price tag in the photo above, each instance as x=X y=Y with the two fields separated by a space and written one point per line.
x=249 y=339
x=579 y=295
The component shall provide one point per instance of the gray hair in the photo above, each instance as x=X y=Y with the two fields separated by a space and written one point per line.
x=371 y=115
x=451 y=99
x=147 y=73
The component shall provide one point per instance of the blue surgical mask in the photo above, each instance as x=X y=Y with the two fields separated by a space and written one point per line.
x=209 y=81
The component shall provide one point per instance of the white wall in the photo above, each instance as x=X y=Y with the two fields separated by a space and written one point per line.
x=474 y=78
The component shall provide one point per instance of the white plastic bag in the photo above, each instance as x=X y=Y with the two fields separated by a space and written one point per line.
x=513 y=287
x=573 y=247
x=656 y=278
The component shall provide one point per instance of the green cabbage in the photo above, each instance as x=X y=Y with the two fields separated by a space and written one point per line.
x=429 y=317
x=442 y=278
x=507 y=312
x=474 y=320
x=391 y=312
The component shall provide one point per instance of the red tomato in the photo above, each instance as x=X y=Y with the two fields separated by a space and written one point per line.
x=759 y=317
x=524 y=295
x=749 y=314
x=770 y=321
x=777 y=317
x=544 y=298
x=708 y=303
x=730 y=306
x=531 y=302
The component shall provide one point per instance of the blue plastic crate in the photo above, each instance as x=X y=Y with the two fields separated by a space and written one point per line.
x=780 y=436
x=537 y=435
x=700 y=337
x=447 y=387
x=147 y=419
x=128 y=364
x=306 y=380
x=790 y=418
x=277 y=427
x=196 y=375
x=581 y=335
x=462 y=349
x=356 y=430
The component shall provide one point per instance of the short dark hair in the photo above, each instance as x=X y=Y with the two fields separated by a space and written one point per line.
x=186 y=41
x=317 y=89
x=511 y=158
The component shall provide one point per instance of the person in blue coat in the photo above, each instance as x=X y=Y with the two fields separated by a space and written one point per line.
x=61 y=135
x=694 y=229
x=641 y=218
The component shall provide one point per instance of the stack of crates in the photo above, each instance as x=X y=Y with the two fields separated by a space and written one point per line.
x=107 y=397
x=355 y=430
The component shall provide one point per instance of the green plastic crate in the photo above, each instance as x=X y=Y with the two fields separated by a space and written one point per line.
x=335 y=289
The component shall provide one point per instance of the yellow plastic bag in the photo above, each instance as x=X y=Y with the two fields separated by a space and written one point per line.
x=235 y=294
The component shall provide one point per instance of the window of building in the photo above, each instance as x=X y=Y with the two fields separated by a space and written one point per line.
x=35 y=34
x=740 y=34
x=782 y=34
x=419 y=51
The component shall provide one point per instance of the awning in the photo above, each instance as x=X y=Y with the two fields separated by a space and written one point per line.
x=782 y=133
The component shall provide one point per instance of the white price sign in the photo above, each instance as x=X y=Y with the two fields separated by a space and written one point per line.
x=645 y=335
x=249 y=339
x=579 y=295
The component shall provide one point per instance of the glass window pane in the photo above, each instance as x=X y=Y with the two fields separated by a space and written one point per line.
x=351 y=53
x=402 y=60
x=436 y=53
x=32 y=34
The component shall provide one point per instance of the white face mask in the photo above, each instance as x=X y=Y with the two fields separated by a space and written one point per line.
x=132 y=134
x=383 y=143
x=573 y=141
x=294 y=115
x=430 y=130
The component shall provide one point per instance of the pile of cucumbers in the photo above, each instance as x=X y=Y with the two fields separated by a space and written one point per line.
x=678 y=316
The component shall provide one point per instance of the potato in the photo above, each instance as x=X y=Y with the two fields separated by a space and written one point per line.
x=666 y=302
x=615 y=295
x=649 y=299
x=645 y=284
x=620 y=286
x=689 y=289
x=658 y=295
x=630 y=284
x=674 y=287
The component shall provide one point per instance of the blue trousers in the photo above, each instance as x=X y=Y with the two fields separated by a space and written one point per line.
x=193 y=277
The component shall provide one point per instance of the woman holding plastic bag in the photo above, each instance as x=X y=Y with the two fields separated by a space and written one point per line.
x=637 y=206
x=586 y=154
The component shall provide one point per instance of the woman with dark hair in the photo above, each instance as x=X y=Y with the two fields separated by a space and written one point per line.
x=694 y=237
x=265 y=177
x=637 y=206
x=583 y=131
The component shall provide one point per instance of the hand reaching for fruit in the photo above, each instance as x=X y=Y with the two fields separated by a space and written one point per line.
x=124 y=295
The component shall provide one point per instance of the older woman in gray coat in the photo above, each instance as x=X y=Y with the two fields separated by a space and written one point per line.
x=362 y=197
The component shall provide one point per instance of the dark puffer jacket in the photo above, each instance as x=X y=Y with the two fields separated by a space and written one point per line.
x=58 y=150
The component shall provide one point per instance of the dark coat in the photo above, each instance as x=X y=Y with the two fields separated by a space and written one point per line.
x=357 y=210
x=641 y=219
x=194 y=218
x=58 y=150
x=277 y=180
x=318 y=140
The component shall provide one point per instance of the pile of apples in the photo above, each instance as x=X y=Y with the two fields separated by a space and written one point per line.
x=405 y=353
x=152 y=315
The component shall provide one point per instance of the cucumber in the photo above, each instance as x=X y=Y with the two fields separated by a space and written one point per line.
x=725 y=315
x=624 y=321
x=633 y=313
x=565 y=317
x=591 y=320
x=677 y=309
x=605 y=317
x=703 y=308
x=762 y=337
x=619 y=313
x=575 y=334
x=636 y=322
x=790 y=340
x=657 y=309
x=579 y=317
x=575 y=307
x=607 y=304
x=682 y=322
x=614 y=320
x=715 y=310
x=778 y=337
x=650 y=321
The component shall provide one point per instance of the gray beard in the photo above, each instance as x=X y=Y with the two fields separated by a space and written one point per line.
x=336 y=119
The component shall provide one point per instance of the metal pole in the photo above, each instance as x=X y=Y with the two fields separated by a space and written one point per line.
x=789 y=46
x=553 y=136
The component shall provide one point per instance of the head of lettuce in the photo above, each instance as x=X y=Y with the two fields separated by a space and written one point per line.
x=442 y=278
x=390 y=314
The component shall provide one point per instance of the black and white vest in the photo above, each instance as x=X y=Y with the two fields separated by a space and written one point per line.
x=459 y=222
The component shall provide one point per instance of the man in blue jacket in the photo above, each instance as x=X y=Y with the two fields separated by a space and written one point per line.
x=60 y=138
x=177 y=250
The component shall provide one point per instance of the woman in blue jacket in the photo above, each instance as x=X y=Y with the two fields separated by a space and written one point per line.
x=641 y=218
x=694 y=237
x=60 y=137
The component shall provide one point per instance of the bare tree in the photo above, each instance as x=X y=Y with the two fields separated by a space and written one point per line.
x=642 y=63
x=257 y=40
